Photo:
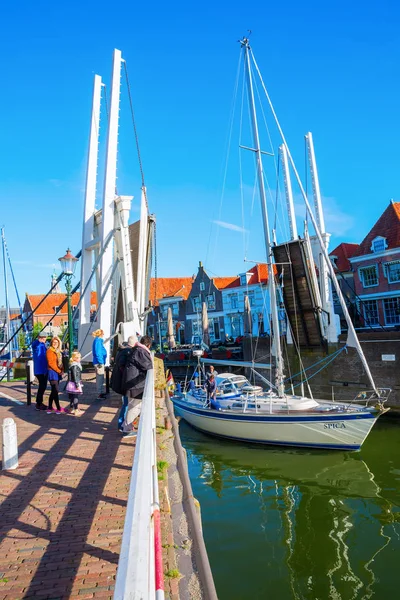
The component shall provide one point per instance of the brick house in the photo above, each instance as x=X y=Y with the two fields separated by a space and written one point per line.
x=376 y=267
x=209 y=290
x=168 y=292
x=252 y=283
x=45 y=313
x=340 y=258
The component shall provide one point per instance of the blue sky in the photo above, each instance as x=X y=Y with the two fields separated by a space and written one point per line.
x=332 y=69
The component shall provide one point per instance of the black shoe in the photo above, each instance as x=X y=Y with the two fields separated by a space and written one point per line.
x=41 y=407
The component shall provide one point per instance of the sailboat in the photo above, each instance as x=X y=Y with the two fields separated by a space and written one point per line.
x=278 y=417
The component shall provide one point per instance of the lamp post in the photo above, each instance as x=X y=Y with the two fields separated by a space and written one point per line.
x=68 y=264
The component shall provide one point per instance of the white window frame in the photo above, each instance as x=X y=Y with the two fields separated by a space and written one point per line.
x=362 y=269
x=196 y=299
x=213 y=299
x=388 y=322
x=367 y=315
x=236 y=298
x=386 y=270
x=379 y=238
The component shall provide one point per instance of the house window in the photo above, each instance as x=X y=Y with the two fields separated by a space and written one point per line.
x=251 y=298
x=175 y=309
x=234 y=300
x=211 y=302
x=369 y=276
x=196 y=303
x=65 y=322
x=202 y=286
x=196 y=328
x=392 y=271
x=243 y=279
x=164 y=311
x=379 y=244
x=370 y=310
x=391 y=308
x=56 y=308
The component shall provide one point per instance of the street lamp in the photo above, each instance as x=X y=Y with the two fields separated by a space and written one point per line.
x=68 y=264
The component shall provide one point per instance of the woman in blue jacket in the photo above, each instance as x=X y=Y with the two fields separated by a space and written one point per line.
x=99 y=360
x=40 y=368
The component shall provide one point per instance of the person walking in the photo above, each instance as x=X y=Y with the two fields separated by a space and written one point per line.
x=55 y=370
x=40 y=368
x=99 y=360
x=138 y=362
x=117 y=377
x=74 y=385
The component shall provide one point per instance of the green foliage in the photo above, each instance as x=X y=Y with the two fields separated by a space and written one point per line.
x=21 y=340
x=172 y=574
x=37 y=328
x=162 y=465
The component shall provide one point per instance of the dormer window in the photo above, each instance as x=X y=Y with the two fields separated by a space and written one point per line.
x=379 y=244
x=333 y=259
x=202 y=286
x=245 y=278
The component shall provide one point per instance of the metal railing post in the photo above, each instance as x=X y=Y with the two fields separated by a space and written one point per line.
x=107 y=380
x=28 y=384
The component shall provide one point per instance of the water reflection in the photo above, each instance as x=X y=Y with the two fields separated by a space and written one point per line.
x=299 y=524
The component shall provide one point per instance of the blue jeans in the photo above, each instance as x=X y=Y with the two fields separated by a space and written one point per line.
x=122 y=412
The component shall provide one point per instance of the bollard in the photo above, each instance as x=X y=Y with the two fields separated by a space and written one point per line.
x=107 y=380
x=10 y=445
x=28 y=384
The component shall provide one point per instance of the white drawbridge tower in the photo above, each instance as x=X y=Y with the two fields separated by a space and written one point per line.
x=121 y=275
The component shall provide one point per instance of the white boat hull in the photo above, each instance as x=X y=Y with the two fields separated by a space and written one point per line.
x=343 y=431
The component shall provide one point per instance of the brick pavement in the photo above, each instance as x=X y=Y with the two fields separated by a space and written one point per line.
x=62 y=511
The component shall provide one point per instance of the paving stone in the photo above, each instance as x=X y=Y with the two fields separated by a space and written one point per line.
x=62 y=517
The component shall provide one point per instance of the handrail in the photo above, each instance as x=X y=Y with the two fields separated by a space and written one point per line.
x=137 y=569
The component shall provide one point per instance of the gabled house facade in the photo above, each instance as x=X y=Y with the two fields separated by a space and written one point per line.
x=46 y=312
x=376 y=268
x=252 y=283
x=168 y=292
x=209 y=290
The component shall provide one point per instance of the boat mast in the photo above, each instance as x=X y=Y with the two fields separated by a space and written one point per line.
x=7 y=315
x=352 y=339
x=261 y=186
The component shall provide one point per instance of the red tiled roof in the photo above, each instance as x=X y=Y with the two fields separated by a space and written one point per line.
x=168 y=287
x=387 y=226
x=52 y=300
x=343 y=252
x=223 y=282
x=259 y=274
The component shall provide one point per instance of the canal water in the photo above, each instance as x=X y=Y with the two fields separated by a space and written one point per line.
x=297 y=524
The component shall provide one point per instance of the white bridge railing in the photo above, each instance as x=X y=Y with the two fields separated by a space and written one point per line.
x=140 y=569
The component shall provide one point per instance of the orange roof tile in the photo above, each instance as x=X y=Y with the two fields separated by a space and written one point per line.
x=52 y=300
x=343 y=252
x=387 y=226
x=222 y=282
x=259 y=274
x=168 y=287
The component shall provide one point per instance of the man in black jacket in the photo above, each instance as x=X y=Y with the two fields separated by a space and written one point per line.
x=116 y=379
x=138 y=362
